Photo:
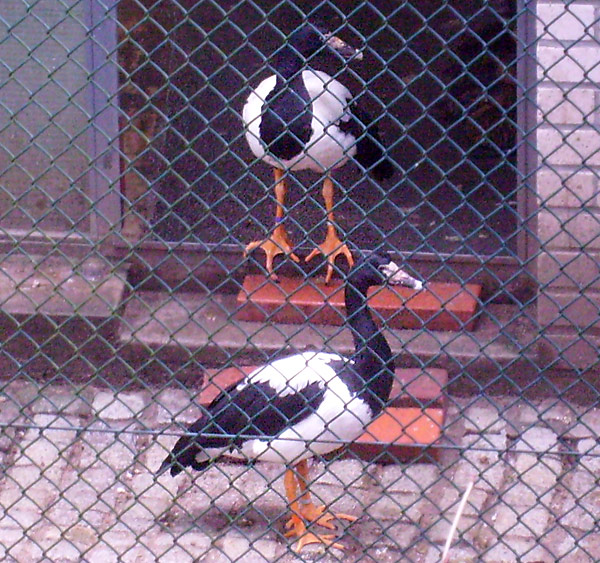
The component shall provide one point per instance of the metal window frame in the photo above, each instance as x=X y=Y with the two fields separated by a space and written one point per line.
x=104 y=142
x=103 y=186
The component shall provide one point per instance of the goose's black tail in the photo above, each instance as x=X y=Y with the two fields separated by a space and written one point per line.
x=369 y=150
x=181 y=456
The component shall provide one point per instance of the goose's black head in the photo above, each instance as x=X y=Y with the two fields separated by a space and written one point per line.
x=379 y=269
x=305 y=42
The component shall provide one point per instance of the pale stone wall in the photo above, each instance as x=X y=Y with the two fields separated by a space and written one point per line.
x=568 y=145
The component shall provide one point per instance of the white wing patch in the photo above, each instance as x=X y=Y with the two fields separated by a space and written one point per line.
x=329 y=147
x=330 y=97
x=294 y=373
x=341 y=417
x=252 y=114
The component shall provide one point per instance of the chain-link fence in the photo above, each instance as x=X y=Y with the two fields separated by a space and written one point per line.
x=129 y=194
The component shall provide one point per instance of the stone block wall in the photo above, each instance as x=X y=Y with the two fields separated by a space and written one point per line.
x=568 y=145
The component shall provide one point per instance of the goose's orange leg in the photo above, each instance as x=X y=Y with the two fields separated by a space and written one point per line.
x=278 y=242
x=332 y=247
x=296 y=524
x=304 y=511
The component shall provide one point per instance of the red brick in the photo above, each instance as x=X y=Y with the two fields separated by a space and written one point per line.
x=400 y=434
x=440 y=306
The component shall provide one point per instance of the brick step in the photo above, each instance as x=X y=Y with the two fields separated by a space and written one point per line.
x=413 y=420
x=401 y=435
x=293 y=300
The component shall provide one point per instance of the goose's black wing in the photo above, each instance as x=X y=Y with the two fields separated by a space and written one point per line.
x=369 y=152
x=240 y=413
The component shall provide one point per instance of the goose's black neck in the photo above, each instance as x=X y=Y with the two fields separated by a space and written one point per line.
x=288 y=63
x=372 y=357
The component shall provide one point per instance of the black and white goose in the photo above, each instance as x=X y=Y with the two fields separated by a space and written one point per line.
x=303 y=119
x=303 y=405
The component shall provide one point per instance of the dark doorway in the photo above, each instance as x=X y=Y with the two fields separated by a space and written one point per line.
x=441 y=76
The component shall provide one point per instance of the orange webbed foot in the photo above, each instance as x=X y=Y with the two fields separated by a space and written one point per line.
x=298 y=530
x=318 y=515
x=304 y=512
x=331 y=249
x=277 y=243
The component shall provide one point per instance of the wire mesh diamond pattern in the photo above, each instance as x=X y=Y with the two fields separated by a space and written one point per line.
x=129 y=193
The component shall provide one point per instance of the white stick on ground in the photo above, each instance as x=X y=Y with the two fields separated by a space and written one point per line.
x=461 y=507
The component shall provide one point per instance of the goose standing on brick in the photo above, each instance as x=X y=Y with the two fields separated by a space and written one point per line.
x=303 y=119
x=303 y=405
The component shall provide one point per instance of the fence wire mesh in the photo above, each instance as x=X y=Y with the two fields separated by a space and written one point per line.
x=128 y=194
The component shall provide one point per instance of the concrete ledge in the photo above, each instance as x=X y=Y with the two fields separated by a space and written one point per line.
x=59 y=318
x=57 y=288
x=170 y=331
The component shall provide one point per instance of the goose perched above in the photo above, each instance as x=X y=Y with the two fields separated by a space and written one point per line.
x=302 y=405
x=303 y=119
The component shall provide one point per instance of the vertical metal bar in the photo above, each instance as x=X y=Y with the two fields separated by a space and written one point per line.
x=527 y=121
x=104 y=126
